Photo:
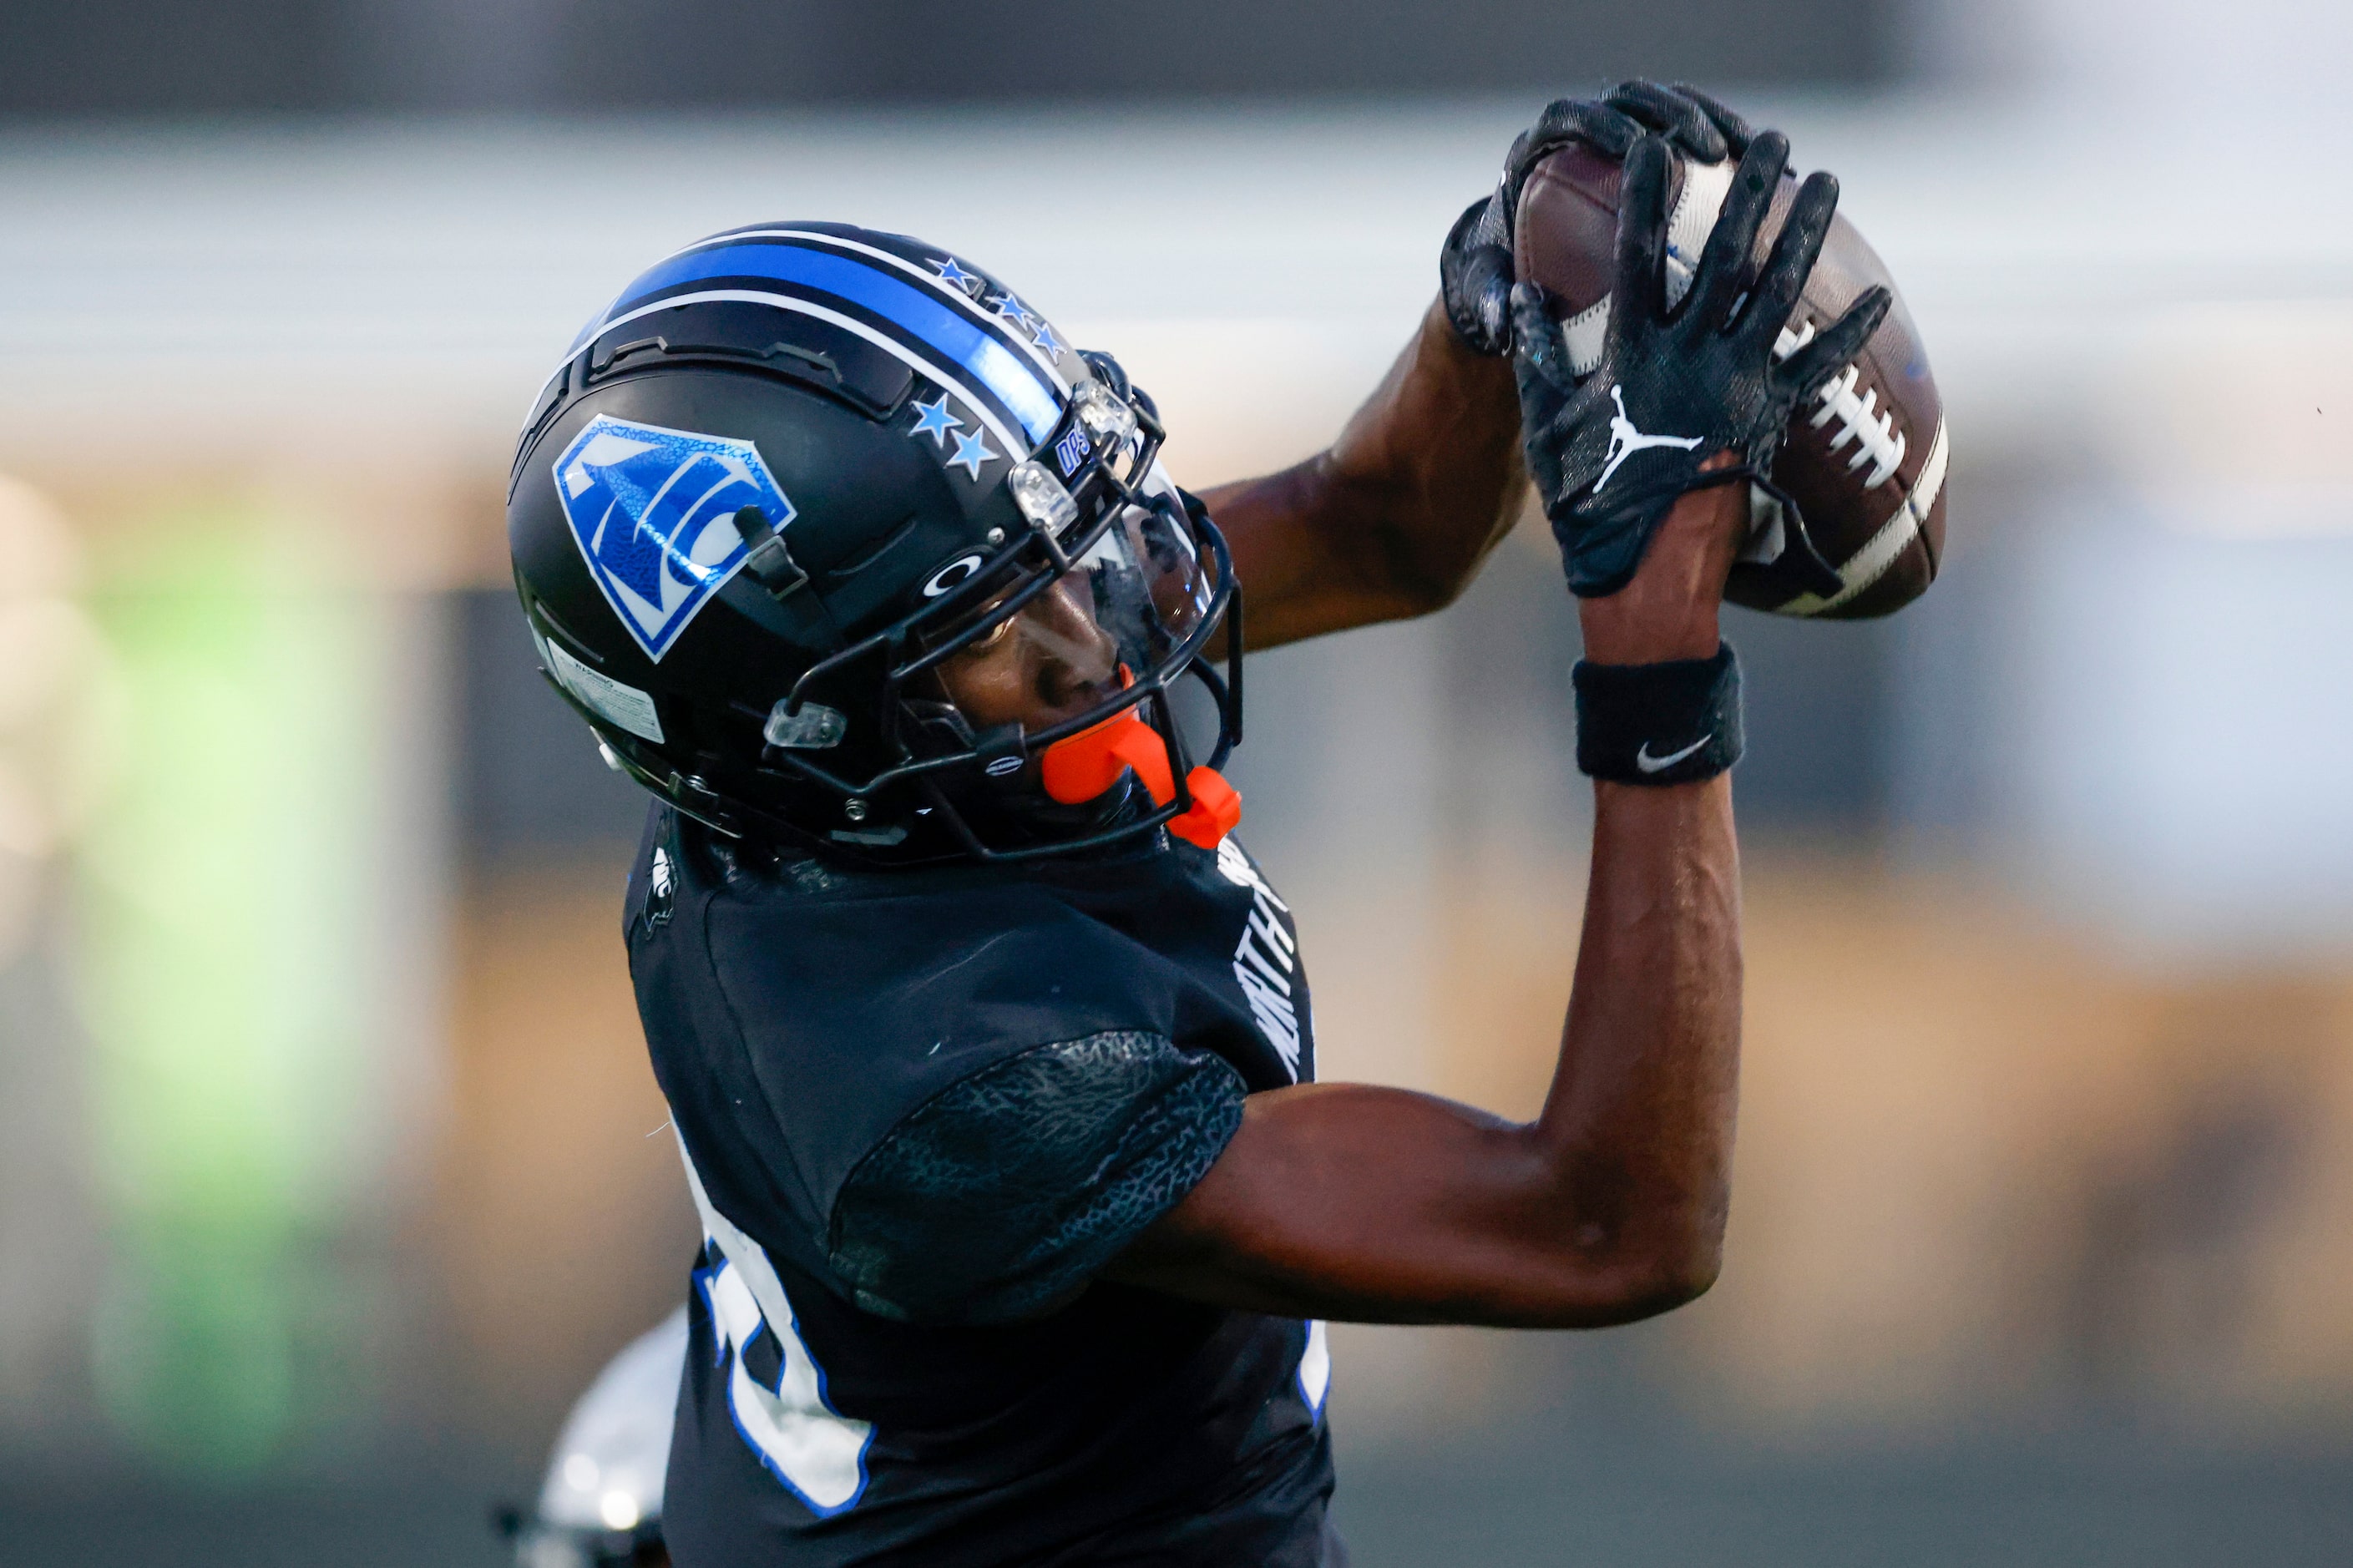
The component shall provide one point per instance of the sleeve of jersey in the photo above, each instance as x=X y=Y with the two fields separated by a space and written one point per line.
x=1008 y=1190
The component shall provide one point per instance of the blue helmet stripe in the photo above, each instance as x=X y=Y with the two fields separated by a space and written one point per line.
x=846 y=242
x=990 y=411
x=930 y=323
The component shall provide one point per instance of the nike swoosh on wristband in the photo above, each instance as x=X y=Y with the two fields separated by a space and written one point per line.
x=1650 y=765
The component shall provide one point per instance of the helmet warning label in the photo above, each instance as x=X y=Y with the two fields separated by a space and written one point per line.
x=609 y=700
x=653 y=510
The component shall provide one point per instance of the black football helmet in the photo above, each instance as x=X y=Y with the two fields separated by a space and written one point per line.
x=794 y=469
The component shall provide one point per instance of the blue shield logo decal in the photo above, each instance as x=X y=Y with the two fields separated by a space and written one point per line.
x=653 y=511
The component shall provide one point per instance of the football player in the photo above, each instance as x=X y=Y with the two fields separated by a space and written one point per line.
x=989 y=1049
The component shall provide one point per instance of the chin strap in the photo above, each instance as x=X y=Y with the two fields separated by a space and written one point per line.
x=1078 y=768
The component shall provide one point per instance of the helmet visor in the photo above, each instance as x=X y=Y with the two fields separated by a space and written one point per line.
x=1040 y=657
x=1150 y=584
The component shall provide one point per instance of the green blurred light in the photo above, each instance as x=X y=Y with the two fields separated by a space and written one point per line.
x=222 y=967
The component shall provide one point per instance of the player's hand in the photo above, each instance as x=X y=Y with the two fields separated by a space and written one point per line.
x=1675 y=388
x=1691 y=121
x=1474 y=267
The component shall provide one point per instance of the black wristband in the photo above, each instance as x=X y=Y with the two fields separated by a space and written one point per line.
x=1670 y=723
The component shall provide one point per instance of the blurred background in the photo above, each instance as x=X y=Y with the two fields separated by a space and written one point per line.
x=328 y=1173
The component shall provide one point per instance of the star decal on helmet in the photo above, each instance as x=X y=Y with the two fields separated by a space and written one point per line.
x=1010 y=307
x=933 y=419
x=972 y=451
x=625 y=537
x=953 y=274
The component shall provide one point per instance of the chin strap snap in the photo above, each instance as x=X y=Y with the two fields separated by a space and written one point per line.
x=1080 y=767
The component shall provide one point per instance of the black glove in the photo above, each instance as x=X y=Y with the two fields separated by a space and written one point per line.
x=1474 y=276
x=1474 y=266
x=1692 y=123
x=1674 y=389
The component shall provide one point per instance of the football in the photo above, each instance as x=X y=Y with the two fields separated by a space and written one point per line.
x=1865 y=457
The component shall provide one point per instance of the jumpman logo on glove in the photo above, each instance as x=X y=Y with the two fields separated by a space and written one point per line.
x=1625 y=440
x=1707 y=365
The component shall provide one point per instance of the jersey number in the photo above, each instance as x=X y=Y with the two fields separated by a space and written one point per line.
x=815 y=1450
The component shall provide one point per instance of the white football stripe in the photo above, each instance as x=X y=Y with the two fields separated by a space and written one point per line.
x=1586 y=331
x=1688 y=226
x=1879 y=552
x=1705 y=188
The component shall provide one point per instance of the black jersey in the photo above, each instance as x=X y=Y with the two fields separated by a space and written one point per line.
x=920 y=1109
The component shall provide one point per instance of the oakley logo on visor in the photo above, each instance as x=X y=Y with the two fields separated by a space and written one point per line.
x=955 y=574
x=653 y=511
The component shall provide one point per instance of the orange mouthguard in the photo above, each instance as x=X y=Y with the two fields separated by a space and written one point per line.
x=1080 y=767
x=1216 y=809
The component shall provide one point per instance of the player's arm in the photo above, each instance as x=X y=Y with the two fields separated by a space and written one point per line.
x=1394 y=518
x=1356 y=1201
x=1367 y=1203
